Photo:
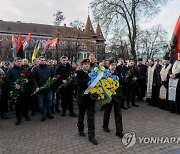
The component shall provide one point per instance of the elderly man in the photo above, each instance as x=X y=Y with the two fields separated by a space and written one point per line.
x=25 y=64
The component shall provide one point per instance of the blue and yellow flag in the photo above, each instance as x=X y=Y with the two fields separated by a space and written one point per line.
x=36 y=49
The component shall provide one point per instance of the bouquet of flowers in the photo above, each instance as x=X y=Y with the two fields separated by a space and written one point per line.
x=21 y=81
x=128 y=74
x=47 y=85
x=69 y=80
x=102 y=85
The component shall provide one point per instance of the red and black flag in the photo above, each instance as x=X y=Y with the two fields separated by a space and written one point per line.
x=174 y=45
x=20 y=47
x=50 y=43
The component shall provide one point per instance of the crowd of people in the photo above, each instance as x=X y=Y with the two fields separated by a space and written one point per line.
x=159 y=84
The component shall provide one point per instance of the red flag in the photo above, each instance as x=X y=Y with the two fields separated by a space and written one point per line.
x=54 y=42
x=174 y=45
x=20 y=47
x=26 y=42
x=28 y=37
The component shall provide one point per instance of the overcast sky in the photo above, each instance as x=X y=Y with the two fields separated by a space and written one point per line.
x=41 y=11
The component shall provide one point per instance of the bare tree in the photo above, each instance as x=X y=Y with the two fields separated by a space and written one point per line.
x=59 y=17
x=150 y=41
x=77 y=24
x=118 y=44
x=118 y=13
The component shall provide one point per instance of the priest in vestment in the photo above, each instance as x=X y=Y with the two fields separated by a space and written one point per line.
x=153 y=83
x=164 y=76
x=174 y=86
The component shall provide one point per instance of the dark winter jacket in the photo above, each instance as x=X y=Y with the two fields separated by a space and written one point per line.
x=82 y=83
x=40 y=75
x=12 y=75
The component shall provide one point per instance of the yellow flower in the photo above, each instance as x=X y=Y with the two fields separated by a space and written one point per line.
x=98 y=84
x=109 y=79
x=102 y=97
x=93 y=91
x=114 y=93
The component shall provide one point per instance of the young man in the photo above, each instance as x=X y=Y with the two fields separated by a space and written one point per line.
x=132 y=81
x=40 y=75
x=21 y=106
x=64 y=69
x=85 y=102
x=121 y=71
x=142 y=71
x=117 y=109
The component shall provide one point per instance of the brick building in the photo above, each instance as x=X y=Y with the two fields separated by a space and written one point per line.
x=73 y=42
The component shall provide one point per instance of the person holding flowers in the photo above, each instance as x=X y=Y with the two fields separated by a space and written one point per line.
x=117 y=108
x=85 y=102
x=64 y=69
x=132 y=81
x=40 y=74
x=17 y=81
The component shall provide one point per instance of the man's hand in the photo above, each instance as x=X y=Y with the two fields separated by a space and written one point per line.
x=37 y=89
x=127 y=76
x=17 y=86
x=64 y=81
x=134 y=79
x=172 y=76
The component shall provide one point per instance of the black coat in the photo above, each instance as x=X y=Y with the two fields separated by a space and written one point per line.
x=142 y=70
x=64 y=71
x=40 y=75
x=82 y=80
x=134 y=73
x=121 y=71
x=156 y=76
x=12 y=75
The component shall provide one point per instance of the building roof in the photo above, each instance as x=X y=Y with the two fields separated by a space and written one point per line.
x=9 y=27
x=99 y=33
x=38 y=29
x=89 y=28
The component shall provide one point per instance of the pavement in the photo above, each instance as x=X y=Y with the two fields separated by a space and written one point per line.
x=155 y=131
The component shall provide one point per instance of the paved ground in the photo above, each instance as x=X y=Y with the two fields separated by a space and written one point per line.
x=60 y=135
